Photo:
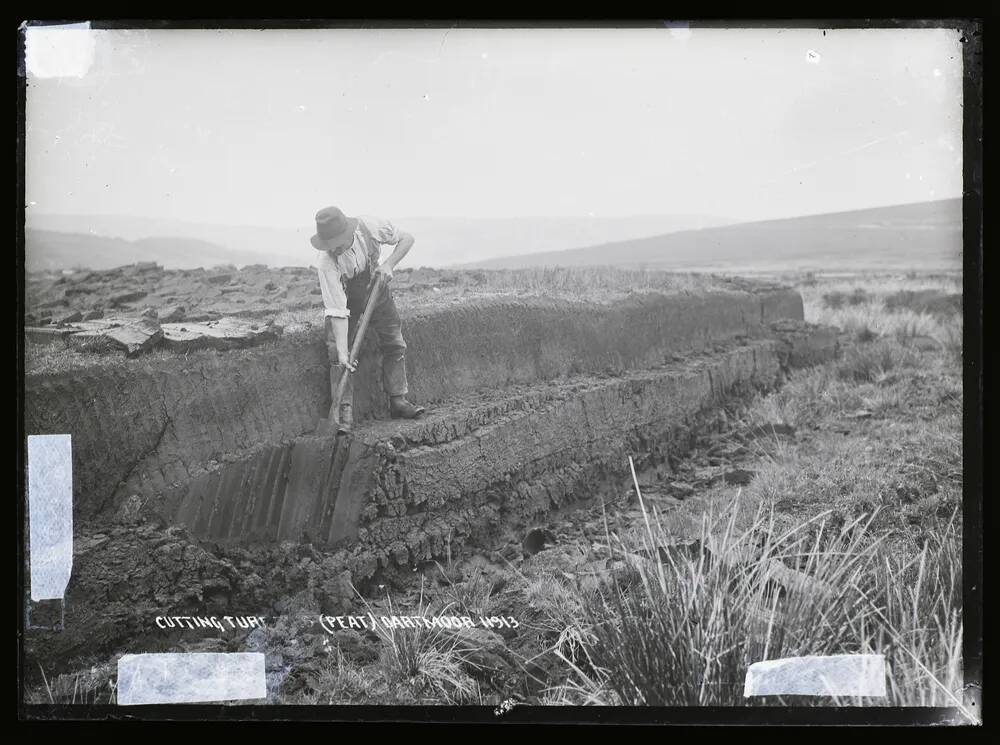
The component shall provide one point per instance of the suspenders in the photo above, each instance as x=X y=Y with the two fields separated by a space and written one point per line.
x=373 y=251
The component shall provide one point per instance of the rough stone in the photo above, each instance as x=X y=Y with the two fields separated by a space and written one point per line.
x=172 y=313
x=80 y=290
x=143 y=267
x=924 y=343
x=75 y=316
x=136 y=336
x=739 y=477
x=127 y=297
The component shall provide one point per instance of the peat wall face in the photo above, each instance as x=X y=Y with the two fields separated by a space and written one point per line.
x=145 y=430
x=384 y=486
x=494 y=345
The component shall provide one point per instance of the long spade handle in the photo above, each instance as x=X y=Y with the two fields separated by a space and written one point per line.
x=359 y=336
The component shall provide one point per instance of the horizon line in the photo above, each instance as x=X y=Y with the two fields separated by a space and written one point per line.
x=307 y=224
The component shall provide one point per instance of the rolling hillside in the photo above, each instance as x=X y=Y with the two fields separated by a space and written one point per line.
x=926 y=235
x=47 y=250
x=66 y=241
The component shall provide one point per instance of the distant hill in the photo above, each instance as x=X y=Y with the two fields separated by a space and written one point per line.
x=47 y=250
x=925 y=235
x=446 y=241
x=103 y=242
x=97 y=239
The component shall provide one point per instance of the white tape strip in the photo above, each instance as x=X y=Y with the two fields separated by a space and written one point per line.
x=59 y=51
x=50 y=514
x=190 y=677
x=836 y=675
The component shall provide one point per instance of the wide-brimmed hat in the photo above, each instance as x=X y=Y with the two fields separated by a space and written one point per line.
x=333 y=227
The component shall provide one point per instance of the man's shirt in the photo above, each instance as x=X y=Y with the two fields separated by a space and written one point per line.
x=335 y=270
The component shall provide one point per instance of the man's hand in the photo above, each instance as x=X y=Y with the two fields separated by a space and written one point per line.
x=346 y=362
x=402 y=248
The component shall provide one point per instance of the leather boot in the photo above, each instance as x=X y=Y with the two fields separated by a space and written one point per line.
x=403 y=409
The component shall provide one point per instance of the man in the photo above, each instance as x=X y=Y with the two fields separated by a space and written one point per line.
x=350 y=259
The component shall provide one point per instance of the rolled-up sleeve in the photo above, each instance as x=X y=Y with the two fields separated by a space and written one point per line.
x=383 y=232
x=334 y=298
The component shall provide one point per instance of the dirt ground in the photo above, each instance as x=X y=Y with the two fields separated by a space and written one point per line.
x=874 y=435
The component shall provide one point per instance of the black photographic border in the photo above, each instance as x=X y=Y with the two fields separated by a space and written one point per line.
x=973 y=511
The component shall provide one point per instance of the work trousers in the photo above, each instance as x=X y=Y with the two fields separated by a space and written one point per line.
x=387 y=329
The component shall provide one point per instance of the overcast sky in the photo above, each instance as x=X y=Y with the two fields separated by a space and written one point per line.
x=266 y=127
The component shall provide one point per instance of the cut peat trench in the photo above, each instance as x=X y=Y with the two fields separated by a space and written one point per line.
x=221 y=448
x=399 y=489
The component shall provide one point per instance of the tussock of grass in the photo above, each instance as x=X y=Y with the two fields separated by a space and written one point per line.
x=809 y=396
x=867 y=363
x=428 y=664
x=919 y=612
x=475 y=596
x=554 y=600
x=337 y=681
x=92 y=687
x=417 y=666
x=688 y=631
x=689 y=634
x=880 y=378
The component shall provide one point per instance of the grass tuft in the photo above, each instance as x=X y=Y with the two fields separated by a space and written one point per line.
x=428 y=663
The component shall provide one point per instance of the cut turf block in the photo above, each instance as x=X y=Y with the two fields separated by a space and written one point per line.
x=46 y=334
x=226 y=333
x=136 y=336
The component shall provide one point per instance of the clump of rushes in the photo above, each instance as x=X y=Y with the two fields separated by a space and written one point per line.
x=687 y=631
x=92 y=687
x=865 y=363
x=429 y=663
x=919 y=614
x=477 y=596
